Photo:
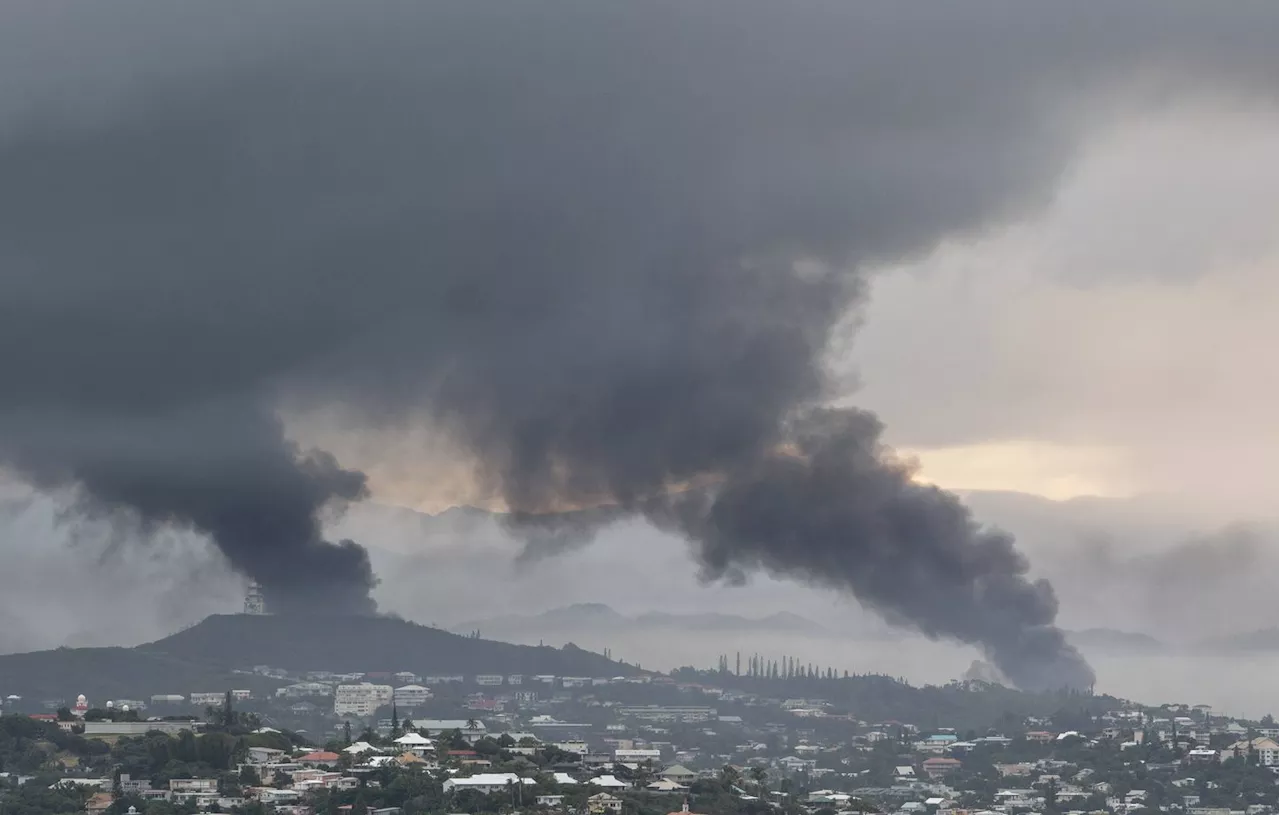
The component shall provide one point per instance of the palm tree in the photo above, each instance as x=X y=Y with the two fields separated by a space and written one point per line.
x=761 y=777
x=644 y=773
x=472 y=724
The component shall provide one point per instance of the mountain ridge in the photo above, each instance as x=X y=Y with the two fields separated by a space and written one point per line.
x=212 y=653
x=597 y=614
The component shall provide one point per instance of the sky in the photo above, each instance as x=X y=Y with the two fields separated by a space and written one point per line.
x=1126 y=333
x=1050 y=273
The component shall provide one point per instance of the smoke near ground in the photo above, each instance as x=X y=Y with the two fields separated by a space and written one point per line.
x=604 y=247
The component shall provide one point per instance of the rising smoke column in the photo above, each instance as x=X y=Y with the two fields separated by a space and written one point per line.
x=604 y=246
x=835 y=509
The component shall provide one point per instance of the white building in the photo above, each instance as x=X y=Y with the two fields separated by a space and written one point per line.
x=412 y=696
x=92 y=729
x=303 y=689
x=435 y=727
x=489 y=679
x=208 y=699
x=486 y=782
x=1265 y=749
x=362 y=699
x=168 y=699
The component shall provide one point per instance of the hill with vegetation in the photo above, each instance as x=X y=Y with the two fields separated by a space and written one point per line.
x=205 y=656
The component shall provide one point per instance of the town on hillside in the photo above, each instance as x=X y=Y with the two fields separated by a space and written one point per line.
x=715 y=742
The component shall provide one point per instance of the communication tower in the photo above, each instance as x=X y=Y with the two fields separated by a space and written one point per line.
x=253 y=601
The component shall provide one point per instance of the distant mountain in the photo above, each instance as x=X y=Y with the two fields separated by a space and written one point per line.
x=1260 y=641
x=782 y=621
x=203 y=656
x=1109 y=639
x=600 y=618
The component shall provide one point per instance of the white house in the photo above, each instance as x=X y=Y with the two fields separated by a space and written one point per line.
x=410 y=696
x=604 y=802
x=472 y=729
x=208 y=699
x=362 y=699
x=1263 y=748
x=485 y=782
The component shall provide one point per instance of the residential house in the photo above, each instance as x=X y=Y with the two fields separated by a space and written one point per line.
x=98 y=803
x=202 y=792
x=413 y=759
x=1020 y=769
x=471 y=729
x=361 y=699
x=133 y=786
x=411 y=696
x=485 y=782
x=678 y=774
x=192 y=785
x=666 y=785
x=1264 y=748
x=415 y=742
x=603 y=802
x=319 y=758
x=940 y=767
x=265 y=755
x=796 y=764
x=608 y=782
x=269 y=796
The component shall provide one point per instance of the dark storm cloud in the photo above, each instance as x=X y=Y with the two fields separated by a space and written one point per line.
x=568 y=232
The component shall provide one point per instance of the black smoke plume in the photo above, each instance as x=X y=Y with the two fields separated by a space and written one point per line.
x=605 y=245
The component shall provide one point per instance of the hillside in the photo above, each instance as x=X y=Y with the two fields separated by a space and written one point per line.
x=205 y=655
x=1260 y=641
x=349 y=644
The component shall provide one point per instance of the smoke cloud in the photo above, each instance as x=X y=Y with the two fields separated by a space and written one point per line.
x=605 y=247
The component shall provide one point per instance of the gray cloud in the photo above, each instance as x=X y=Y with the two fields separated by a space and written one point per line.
x=70 y=581
x=570 y=234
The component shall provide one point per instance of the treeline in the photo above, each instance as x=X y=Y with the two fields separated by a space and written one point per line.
x=880 y=698
x=759 y=666
x=28 y=745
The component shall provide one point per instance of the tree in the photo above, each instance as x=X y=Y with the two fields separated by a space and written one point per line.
x=1051 y=797
x=729 y=775
x=346 y=732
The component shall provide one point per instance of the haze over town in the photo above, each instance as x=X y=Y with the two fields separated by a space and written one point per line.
x=1091 y=366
